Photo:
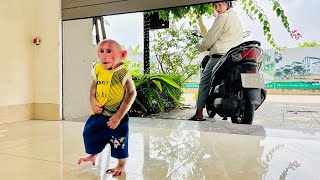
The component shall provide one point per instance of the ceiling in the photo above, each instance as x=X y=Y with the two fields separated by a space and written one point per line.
x=78 y=9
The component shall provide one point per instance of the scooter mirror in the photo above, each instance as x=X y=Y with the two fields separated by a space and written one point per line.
x=196 y=33
x=246 y=34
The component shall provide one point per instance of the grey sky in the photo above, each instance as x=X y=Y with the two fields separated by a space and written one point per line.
x=302 y=15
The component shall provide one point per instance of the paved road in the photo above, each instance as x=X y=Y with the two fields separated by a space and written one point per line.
x=278 y=111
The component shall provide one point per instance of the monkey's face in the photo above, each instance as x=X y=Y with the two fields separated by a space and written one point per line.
x=110 y=55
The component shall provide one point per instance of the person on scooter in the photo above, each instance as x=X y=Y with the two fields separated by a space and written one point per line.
x=225 y=33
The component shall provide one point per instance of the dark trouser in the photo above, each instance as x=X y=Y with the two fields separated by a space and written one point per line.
x=204 y=86
x=97 y=135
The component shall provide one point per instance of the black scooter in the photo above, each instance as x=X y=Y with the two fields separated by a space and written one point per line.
x=237 y=88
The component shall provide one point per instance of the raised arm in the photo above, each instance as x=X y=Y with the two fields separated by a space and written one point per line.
x=213 y=34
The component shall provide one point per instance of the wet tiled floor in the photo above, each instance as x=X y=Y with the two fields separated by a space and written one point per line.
x=162 y=149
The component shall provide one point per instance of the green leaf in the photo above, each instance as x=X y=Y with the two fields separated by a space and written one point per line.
x=251 y=7
x=147 y=84
x=261 y=20
x=141 y=105
x=286 y=25
x=278 y=12
x=274 y=8
x=148 y=95
x=269 y=37
x=265 y=32
x=171 y=93
x=158 y=84
x=157 y=99
x=167 y=79
x=136 y=50
x=138 y=83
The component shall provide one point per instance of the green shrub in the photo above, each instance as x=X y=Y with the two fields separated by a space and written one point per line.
x=156 y=93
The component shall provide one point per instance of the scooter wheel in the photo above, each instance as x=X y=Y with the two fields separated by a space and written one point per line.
x=245 y=117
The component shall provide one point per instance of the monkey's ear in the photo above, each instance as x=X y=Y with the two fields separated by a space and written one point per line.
x=123 y=54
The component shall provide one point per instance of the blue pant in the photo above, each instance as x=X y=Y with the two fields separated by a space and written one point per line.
x=97 y=135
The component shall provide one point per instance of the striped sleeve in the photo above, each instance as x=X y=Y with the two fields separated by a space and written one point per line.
x=125 y=78
x=93 y=73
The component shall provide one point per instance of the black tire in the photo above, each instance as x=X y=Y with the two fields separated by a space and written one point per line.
x=246 y=117
x=211 y=113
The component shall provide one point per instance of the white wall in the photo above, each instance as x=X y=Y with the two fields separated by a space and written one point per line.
x=30 y=74
x=16 y=18
x=78 y=56
x=46 y=74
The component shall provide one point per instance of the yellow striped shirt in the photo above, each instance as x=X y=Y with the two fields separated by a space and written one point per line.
x=110 y=87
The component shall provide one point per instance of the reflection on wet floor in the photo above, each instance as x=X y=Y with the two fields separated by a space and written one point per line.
x=50 y=150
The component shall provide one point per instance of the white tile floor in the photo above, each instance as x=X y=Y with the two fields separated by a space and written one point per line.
x=33 y=150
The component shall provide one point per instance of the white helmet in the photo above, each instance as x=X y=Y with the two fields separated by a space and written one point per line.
x=229 y=2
